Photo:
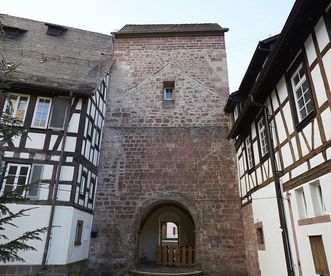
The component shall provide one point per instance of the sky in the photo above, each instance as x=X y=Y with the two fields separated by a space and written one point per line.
x=249 y=21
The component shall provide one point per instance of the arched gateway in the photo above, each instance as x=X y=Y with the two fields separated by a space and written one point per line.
x=167 y=235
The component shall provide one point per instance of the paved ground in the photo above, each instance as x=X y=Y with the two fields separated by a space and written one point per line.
x=165 y=270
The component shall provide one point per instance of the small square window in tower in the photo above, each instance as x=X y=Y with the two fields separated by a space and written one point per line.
x=168 y=91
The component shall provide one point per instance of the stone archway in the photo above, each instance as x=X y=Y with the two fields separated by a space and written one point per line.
x=166 y=224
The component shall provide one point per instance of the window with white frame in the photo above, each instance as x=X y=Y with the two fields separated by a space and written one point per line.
x=302 y=93
x=41 y=112
x=50 y=112
x=249 y=153
x=168 y=90
x=16 y=177
x=301 y=202
x=317 y=198
x=15 y=107
x=35 y=181
x=262 y=137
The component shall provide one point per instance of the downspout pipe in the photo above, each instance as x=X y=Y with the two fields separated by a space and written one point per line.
x=56 y=184
x=279 y=196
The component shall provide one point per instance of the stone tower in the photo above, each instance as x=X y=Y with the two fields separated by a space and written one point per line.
x=165 y=157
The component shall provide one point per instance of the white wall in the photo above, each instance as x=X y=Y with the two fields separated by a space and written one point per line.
x=36 y=218
x=62 y=249
x=265 y=210
x=304 y=231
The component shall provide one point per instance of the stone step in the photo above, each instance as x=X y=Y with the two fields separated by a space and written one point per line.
x=164 y=272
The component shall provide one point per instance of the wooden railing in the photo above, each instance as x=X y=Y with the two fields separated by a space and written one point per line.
x=177 y=256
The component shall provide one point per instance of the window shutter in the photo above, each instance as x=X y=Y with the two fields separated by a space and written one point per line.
x=59 y=112
x=35 y=181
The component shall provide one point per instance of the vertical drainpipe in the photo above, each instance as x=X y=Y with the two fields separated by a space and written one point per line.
x=56 y=184
x=279 y=197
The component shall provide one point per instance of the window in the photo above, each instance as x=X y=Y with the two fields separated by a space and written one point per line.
x=79 y=232
x=41 y=112
x=59 y=112
x=262 y=137
x=13 y=32
x=301 y=202
x=50 y=112
x=15 y=107
x=89 y=128
x=320 y=261
x=91 y=189
x=16 y=178
x=82 y=184
x=169 y=233
x=55 y=30
x=249 y=153
x=168 y=92
x=35 y=181
x=260 y=236
x=317 y=198
x=97 y=139
x=302 y=93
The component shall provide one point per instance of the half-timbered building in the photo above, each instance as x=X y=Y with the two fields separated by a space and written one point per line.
x=58 y=95
x=281 y=128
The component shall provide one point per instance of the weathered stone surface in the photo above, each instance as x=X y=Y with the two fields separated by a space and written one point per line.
x=154 y=153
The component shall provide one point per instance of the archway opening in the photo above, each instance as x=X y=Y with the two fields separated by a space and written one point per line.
x=165 y=229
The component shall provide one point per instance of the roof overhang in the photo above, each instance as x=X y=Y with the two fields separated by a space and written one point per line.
x=302 y=19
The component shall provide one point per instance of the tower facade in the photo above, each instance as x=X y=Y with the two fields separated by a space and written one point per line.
x=165 y=161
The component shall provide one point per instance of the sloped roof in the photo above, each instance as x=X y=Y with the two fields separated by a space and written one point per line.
x=75 y=60
x=170 y=30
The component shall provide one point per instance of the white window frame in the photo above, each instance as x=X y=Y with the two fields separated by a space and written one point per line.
x=249 y=153
x=317 y=198
x=35 y=112
x=261 y=126
x=165 y=94
x=14 y=186
x=301 y=203
x=16 y=105
x=39 y=182
x=296 y=87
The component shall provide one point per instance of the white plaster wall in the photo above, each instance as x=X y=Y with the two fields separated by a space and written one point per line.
x=36 y=218
x=62 y=249
x=52 y=142
x=63 y=193
x=327 y=64
x=321 y=34
x=271 y=260
x=304 y=231
x=67 y=173
x=319 y=86
x=70 y=145
x=80 y=252
x=310 y=50
x=35 y=140
x=326 y=119
x=74 y=123
x=282 y=90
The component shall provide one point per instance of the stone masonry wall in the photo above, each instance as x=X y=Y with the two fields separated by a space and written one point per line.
x=251 y=246
x=155 y=152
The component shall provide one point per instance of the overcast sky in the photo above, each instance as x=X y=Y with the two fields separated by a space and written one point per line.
x=248 y=20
